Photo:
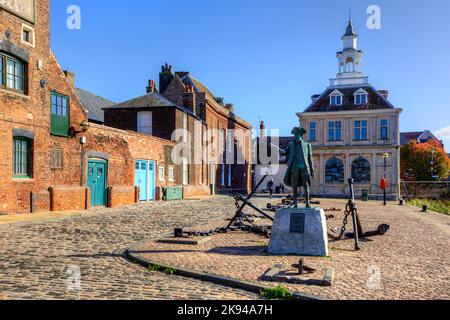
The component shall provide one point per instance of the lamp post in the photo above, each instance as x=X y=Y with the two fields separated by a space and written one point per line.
x=385 y=157
x=432 y=164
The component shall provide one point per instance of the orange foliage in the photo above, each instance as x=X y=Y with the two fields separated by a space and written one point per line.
x=417 y=158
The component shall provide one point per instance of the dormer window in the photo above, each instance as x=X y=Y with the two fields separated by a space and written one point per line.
x=336 y=98
x=361 y=97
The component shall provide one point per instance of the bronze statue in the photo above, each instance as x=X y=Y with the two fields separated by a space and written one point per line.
x=300 y=165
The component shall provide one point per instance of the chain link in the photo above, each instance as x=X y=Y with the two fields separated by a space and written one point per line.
x=345 y=223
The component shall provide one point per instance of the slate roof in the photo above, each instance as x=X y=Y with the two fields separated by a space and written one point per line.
x=150 y=100
x=420 y=136
x=375 y=101
x=94 y=104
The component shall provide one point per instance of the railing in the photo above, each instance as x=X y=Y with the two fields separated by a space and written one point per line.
x=344 y=82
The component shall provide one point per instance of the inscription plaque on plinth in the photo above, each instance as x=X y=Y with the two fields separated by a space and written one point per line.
x=297 y=222
x=299 y=231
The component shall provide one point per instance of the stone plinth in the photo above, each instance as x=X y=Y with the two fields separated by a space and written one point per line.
x=299 y=231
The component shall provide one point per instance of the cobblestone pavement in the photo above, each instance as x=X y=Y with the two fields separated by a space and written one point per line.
x=412 y=261
x=40 y=261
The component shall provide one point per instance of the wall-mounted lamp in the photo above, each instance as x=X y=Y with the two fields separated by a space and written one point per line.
x=84 y=126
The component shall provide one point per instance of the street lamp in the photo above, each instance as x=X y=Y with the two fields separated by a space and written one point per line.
x=84 y=126
x=433 y=176
x=385 y=157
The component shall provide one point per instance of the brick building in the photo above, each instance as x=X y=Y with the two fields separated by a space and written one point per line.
x=52 y=158
x=419 y=137
x=213 y=130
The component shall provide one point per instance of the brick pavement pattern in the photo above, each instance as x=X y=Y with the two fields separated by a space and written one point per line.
x=35 y=259
x=413 y=258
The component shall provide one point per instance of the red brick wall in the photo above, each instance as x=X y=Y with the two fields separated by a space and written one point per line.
x=68 y=198
x=126 y=119
x=31 y=112
x=121 y=195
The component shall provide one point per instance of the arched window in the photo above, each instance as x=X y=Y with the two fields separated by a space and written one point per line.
x=334 y=171
x=361 y=170
x=349 y=66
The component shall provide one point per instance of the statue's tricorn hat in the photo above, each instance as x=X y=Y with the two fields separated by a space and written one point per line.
x=301 y=131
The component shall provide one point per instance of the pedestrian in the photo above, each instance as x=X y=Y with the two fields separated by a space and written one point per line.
x=282 y=188
x=270 y=185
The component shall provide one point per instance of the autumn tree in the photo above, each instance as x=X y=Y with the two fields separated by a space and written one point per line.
x=423 y=161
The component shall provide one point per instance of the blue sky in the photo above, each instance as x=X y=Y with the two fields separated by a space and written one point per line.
x=267 y=57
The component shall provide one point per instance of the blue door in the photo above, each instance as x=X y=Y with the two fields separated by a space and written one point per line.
x=96 y=181
x=145 y=179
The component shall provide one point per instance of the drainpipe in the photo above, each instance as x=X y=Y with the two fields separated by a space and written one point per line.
x=82 y=142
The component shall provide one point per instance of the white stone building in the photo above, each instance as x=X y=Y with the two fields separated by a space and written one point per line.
x=354 y=131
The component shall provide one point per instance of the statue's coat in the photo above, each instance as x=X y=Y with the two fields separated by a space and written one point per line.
x=307 y=161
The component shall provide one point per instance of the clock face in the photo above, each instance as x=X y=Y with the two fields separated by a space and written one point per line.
x=22 y=8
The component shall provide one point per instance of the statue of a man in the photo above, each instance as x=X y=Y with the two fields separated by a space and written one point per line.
x=300 y=165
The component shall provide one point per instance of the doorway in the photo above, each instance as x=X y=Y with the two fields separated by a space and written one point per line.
x=96 y=181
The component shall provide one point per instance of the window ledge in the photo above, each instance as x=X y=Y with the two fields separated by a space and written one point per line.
x=59 y=135
x=14 y=93
x=25 y=179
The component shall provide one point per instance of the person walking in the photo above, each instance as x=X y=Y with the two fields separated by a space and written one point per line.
x=270 y=185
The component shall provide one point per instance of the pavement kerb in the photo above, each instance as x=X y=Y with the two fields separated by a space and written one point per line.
x=225 y=281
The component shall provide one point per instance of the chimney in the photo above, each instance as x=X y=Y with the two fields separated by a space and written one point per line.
x=165 y=77
x=151 y=86
x=384 y=93
x=189 y=99
x=262 y=130
x=70 y=77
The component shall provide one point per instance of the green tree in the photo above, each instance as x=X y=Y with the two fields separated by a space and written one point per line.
x=422 y=161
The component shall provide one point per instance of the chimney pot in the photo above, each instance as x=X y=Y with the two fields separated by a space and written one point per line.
x=70 y=77
x=262 y=128
x=151 y=86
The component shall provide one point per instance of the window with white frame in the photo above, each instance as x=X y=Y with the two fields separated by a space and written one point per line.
x=170 y=174
x=185 y=171
x=222 y=180
x=335 y=131
x=384 y=129
x=12 y=73
x=28 y=36
x=361 y=97
x=313 y=131
x=161 y=173
x=224 y=140
x=361 y=130
x=185 y=127
x=202 y=177
x=145 y=122
x=336 y=98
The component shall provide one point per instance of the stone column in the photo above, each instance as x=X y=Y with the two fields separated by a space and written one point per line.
x=373 y=173
x=348 y=172
x=322 y=174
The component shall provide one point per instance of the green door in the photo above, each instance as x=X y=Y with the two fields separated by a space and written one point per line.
x=96 y=181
